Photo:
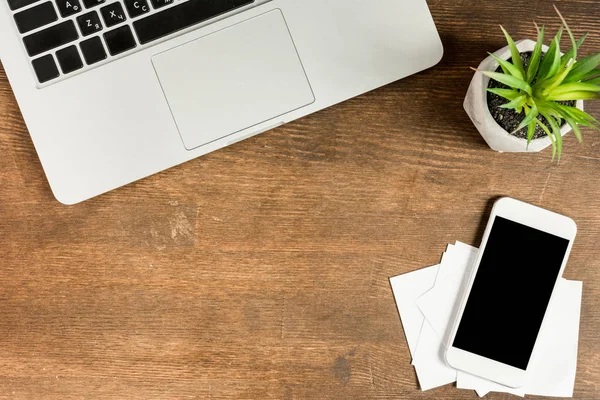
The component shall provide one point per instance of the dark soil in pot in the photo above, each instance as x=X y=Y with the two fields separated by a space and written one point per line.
x=509 y=119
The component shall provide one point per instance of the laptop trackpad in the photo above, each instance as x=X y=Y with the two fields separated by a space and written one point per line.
x=233 y=79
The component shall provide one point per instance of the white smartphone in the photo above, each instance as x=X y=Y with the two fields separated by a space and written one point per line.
x=523 y=253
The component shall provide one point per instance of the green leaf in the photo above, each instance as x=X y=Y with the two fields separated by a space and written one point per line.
x=564 y=113
x=595 y=81
x=514 y=52
x=545 y=128
x=551 y=84
x=573 y=124
x=577 y=132
x=573 y=42
x=573 y=96
x=549 y=134
x=555 y=63
x=530 y=115
x=576 y=112
x=508 y=94
x=509 y=80
x=507 y=67
x=534 y=63
x=583 y=67
x=556 y=133
x=504 y=70
x=574 y=87
x=579 y=117
x=565 y=110
x=591 y=75
x=551 y=61
x=570 y=54
x=530 y=132
x=516 y=104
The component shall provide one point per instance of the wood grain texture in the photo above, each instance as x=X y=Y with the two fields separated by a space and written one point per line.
x=261 y=271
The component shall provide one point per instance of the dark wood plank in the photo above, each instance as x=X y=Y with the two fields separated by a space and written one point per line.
x=261 y=270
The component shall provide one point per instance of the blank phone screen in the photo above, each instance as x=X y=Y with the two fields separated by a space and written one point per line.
x=510 y=293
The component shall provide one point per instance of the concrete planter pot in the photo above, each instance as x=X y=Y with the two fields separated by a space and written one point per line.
x=476 y=107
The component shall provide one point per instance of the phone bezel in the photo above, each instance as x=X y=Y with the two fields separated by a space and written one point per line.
x=535 y=217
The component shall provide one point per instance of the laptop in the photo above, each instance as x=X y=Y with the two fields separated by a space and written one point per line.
x=113 y=91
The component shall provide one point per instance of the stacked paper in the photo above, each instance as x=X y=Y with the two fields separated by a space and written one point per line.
x=427 y=301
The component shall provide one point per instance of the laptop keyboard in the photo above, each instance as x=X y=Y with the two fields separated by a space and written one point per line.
x=63 y=37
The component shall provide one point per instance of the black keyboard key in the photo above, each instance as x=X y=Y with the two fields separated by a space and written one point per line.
x=16 y=4
x=135 y=8
x=113 y=14
x=50 y=38
x=68 y=7
x=35 y=17
x=92 y=3
x=45 y=68
x=182 y=16
x=160 y=3
x=119 y=40
x=69 y=59
x=89 y=23
x=93 y=50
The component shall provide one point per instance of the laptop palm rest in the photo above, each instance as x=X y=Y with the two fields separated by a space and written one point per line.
x=233 y=79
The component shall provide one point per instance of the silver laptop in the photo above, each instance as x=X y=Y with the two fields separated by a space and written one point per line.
x=115 y=90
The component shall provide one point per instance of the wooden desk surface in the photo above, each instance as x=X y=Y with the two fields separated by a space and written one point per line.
x=261 y=271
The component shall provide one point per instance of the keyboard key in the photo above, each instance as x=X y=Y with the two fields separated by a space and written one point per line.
x=45 y=68
x=35 y=17
x=16 y=4
x=93 y=50
x=68 y=7
x=119 y=40
x=69 y=59
x=89 y=23
x=182 y=16
x=92 y=3
x=113 y=14
x=50 y=38
x=135 y=8
x=160 y=3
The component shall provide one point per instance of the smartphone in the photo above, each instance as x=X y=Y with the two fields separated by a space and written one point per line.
x=500 y=316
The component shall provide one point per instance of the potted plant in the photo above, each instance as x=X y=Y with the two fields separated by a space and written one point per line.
x=526 y=96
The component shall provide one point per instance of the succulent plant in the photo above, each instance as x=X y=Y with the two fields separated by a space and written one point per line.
x=550 y=79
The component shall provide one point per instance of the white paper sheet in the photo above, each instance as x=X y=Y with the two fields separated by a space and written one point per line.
x=432 y=369
x=407 y=288
x=446 y=265
x=427 y=300
x=439 y=304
